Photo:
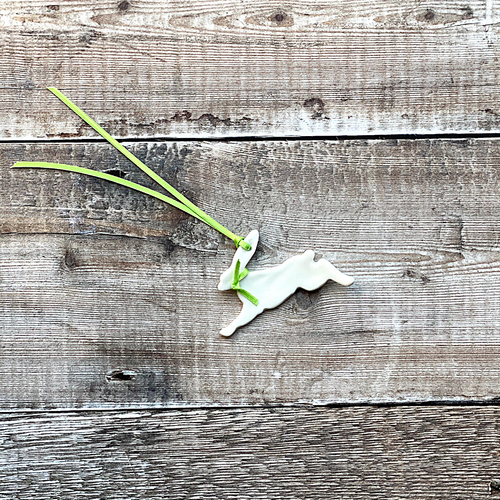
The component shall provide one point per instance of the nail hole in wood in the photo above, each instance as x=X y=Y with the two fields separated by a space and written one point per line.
x=429 y=15
x=123 y=6
x=116 y=173
x=120 y=375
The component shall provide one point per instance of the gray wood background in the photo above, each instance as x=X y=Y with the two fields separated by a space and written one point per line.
x=367 y=131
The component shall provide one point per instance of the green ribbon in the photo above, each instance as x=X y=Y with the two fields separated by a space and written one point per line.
x=183 y=204
x=237 y=277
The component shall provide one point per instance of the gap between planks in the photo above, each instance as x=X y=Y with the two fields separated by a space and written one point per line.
x=297 y=406
x=239 y=138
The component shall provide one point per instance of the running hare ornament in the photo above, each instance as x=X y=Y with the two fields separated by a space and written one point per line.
x=258 y=290
x=268 y=288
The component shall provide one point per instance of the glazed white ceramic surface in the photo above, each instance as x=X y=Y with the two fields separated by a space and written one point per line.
x=272 y=286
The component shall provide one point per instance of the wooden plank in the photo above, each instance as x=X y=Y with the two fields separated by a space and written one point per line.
x=249 y=68
x=109 y=299
x=348 y=453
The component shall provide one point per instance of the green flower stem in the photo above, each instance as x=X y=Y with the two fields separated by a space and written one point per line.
x=107 y=177
x=185 y=205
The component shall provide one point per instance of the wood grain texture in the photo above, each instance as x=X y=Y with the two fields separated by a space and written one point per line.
x=108 y=299
x=352 y=453
x=249 y=68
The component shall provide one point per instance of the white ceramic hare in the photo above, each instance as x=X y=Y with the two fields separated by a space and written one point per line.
x=274 y=285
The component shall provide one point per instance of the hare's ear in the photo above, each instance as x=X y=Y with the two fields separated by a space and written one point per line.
x=243 y=255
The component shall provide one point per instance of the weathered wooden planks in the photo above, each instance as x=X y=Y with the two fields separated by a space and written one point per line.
x=108 y=299
x=349 y=453
x=233 y=68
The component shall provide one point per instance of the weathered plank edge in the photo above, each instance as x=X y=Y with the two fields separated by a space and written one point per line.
x=197 y=405
x=449 y=241
x=405 y=453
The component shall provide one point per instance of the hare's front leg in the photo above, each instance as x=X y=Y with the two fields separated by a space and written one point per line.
x=247 y=314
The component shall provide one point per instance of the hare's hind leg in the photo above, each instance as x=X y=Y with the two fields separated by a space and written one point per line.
x=320 y=272
x=334 y=274
x=247 y=314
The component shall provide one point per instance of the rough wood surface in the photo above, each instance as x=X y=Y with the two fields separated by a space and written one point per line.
x=249 y=68
x=351 y=453
x=109 y=299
